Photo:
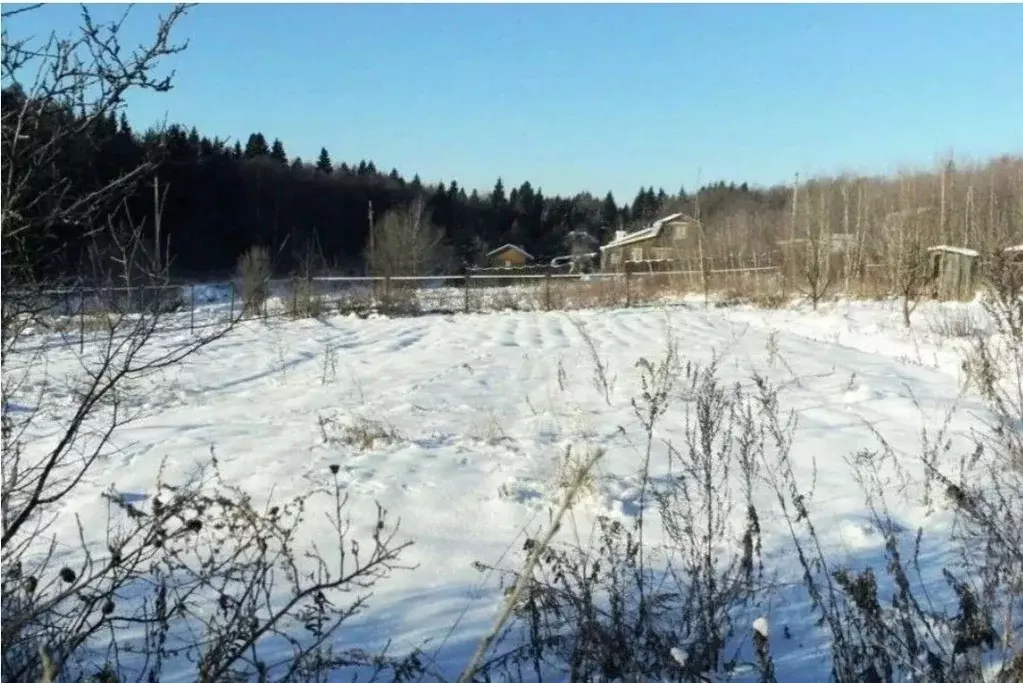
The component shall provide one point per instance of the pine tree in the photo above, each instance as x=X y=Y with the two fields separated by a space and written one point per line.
x=323 y=164
x=277 y=152
x=236 y=152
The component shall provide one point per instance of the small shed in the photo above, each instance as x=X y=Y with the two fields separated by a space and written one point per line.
x=953 y=272
x=509 y=256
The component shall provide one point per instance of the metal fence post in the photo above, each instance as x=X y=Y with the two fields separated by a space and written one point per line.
x=232 y=300
x=387 y=294
x=468 y=283
x=191 y=309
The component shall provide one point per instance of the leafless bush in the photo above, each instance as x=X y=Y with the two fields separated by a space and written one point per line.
x=142 y=603
x=955 y=324
x=361 y=433
x=254 y=271
x=407 y=242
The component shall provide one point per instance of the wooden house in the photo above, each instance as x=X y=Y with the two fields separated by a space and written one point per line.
x=509 y=256
x=953 y=272
x=665 y=241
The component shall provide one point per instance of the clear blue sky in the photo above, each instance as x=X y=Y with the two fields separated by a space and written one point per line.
x=597 y=97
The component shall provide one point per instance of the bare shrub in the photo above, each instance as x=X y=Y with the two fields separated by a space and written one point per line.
x=958 y=323
x=360 y=433
x=195 y=544
x=306 y=301
x=407 y=242
x=254 y=271
x=890 y=626
x=574 y=470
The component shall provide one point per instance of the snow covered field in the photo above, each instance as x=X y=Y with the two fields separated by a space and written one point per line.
x=479 y=410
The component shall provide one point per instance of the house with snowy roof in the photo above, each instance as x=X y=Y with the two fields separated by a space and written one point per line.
x=509 y=256
x=667 y=239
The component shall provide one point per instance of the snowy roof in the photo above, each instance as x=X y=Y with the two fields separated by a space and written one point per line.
x=963 y=251
x=514 y=247
x=646 y=233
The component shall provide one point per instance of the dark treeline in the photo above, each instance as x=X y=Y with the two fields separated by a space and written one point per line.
x=219 y=199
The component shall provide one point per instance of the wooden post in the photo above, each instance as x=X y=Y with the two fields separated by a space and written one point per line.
x=547 y=288
x=468 y=282
x=232 y=299
x=387 y=294
x=191 y=314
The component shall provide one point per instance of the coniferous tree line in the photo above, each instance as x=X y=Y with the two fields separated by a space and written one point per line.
x=219 y=198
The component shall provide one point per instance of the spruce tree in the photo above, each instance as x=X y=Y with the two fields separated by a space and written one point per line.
x=323 y=164
x=609 y=212
x=497 y=197
x=277 y=152
x=256 y=146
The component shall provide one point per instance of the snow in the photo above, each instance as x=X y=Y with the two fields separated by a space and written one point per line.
x=482 y=408
x=962 y=251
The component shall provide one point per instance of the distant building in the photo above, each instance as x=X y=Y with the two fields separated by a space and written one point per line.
x=666 y=240
x=509 y=256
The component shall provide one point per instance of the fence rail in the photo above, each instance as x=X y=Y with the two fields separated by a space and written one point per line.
x=194 y=306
